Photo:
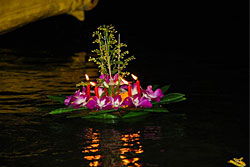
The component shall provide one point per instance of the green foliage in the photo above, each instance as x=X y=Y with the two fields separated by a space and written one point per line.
x=156 y=109
x=134 y=114
x=111 y=59
x=101 y=116
x=165 y=88
x=172 y=97
x=64 y=110
x=102 y=112
x=57 y=98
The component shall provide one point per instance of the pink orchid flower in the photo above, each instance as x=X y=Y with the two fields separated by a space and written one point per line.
x=152 y=95
x=105 y=103
x=100 y=91
x=117 y=101
x=134 y=89
x=137 y=101
x=79 y=101
x=107 y=79
x=70 y=99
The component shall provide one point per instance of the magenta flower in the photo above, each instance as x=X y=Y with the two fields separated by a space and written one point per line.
x=124 y=88
x=107 y=79
x=70 y=99
x=137 y=101
x=83 y=90
x=152 y=95
x=105 y=103
x=117 y=101
x=100 y=91
x=79 y=101
x=134 y=89
x=78 y=92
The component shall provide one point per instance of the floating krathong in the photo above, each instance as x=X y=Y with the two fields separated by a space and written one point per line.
x=111 y=96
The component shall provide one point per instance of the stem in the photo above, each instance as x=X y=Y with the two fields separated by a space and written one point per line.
x=100 y=51
x=119 y=53
x=108 y=57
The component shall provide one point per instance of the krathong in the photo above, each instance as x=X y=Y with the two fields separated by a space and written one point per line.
x=111 y=96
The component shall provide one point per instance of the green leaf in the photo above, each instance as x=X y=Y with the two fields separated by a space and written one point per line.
x=101 y=116
x=134 y=114
x=102 y=112
x=155 y=86
x=114 y=71
x=57 y=98
x=159 y=109
x=178 y=100
x=165 y=88
x=79 y=114
x=119 y=62
x=171 y=97
x=133 y=109
x=64 y=110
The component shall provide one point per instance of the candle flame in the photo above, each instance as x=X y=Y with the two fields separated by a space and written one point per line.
x=92 y=83
x=87 y=77
x=134 y=77
x=124 y=81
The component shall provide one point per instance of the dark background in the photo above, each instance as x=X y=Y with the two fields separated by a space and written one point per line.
x=206 y=41
x=212 y=27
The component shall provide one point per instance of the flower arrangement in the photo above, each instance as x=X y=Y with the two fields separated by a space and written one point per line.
x=113 y=96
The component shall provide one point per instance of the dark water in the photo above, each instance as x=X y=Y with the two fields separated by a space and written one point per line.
x=207 y=130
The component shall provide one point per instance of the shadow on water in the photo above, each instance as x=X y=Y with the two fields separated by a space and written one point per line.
x=31 y=137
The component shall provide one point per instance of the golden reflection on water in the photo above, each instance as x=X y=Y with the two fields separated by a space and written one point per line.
x=92 y=149
x=131 y=149
x=26 y=80
x=110 y=148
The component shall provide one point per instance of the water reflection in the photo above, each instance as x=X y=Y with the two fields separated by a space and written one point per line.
x=92 y=149
x=131 y=149
x=111 y=148
x=27 y=79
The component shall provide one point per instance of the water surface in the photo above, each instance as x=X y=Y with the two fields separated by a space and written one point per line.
x=202 y=131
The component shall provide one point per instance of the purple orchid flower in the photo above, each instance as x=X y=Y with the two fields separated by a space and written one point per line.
x=100 y=91
x=134 y=89
x=117 y=101
x=124 y=88
x=137 y=101
x=70 y=99
x=105 y=103
x=83 y=90
x=152 y=95
x=79 y=101
x=107 y=79
x=78 y=92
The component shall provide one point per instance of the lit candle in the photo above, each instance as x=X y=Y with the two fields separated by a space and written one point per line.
x=88 y=86
x=129 y=87
x=129 y=91
x=137 y=83
x=96 y=88
x=96 y=92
